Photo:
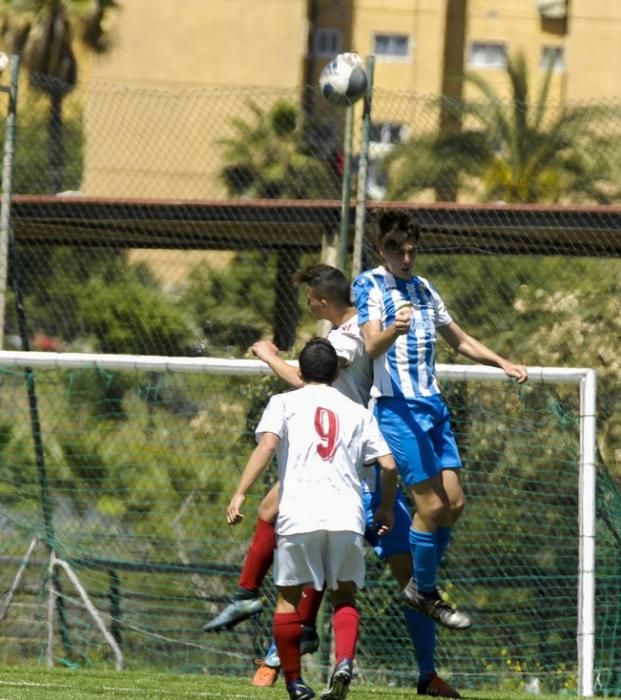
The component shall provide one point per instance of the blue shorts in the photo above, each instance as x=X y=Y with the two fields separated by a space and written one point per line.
x=397 y=541
x=419 y=434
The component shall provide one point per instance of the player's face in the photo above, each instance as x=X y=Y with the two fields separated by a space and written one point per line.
x=400 y=261
x=316 y=305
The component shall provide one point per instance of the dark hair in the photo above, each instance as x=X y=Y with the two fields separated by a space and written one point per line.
x=328 y=283
x=318 y=361
x=395 y=227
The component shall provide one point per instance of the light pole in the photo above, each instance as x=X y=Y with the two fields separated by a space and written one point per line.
x=7 y=173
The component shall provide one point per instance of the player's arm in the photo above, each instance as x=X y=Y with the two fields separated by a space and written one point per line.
x=474 y=350
x=260 y=458
x=385 y=512
x=268 y=352
x=377 y=340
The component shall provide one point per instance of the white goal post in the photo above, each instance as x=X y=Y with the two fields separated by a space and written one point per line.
x=584 y=378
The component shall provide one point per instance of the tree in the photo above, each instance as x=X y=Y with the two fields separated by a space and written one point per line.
x=42 y=32
x=514 y=151
x=270 y=158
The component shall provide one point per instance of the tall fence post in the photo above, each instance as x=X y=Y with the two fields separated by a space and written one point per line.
x=363 y=170
x=7 y=174
x=346 y=189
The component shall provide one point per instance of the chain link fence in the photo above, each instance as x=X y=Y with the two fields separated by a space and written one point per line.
x=170 y=223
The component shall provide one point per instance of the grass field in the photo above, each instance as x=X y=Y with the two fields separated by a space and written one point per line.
x=30 y=682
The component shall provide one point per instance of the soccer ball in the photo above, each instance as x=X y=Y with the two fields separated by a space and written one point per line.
x=344 y=79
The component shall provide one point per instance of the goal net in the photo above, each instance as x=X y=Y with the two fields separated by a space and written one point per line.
x=115 y=472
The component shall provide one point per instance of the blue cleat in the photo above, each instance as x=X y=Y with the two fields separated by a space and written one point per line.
x=339 y=681
x=235 y=612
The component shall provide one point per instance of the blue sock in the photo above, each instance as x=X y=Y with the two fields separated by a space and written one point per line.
x=271 y=657
x=422 y=631
x=443 y=536
x=424 y=548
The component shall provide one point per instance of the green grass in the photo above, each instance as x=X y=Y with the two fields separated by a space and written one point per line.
x=30 y=682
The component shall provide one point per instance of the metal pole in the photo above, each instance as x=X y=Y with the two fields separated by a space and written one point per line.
x=8 y=261
x=587 y=514
x=7 y=172
x=346 y=189
x=363 y=171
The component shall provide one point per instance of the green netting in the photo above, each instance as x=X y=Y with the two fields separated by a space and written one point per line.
x=140 y=466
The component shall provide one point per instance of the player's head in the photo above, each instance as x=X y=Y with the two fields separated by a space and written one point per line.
x=326 y=286
x=396 y=239
x=318 y=362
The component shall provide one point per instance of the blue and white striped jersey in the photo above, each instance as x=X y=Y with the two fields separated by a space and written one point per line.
x=407 y=369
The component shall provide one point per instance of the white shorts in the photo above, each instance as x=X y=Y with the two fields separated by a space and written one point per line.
x=319 y=558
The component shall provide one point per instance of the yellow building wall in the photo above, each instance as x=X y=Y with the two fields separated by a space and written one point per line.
x=594 y=50
x=207 y=42
x=154 y=120
x=190 y=45
x=518 y=25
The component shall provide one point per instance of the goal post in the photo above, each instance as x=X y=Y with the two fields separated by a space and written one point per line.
x=586 y=379
x=144 y=452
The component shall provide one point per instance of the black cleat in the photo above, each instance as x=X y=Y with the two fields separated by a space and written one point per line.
x=339 y=681
x=235 y=612
x=434 y=606
x=310 y=641
x=298 y=690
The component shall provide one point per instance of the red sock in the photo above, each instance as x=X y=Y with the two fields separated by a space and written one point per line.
x=287 y=628
x=309 y=604
x=259 y=556
x=346 y=623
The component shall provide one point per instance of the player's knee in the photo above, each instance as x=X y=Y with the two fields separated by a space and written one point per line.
x=456 y=506
x=433 y=513
x=268 y=512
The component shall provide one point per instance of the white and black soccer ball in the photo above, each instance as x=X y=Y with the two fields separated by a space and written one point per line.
x=344 y=79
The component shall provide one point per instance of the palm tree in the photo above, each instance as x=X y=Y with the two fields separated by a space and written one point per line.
x=42 y=32
x=269 y=157
x=514 y=151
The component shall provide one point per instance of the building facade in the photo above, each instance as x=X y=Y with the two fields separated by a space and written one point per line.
x=421 y=47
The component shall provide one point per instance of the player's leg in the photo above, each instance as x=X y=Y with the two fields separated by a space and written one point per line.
x=308 y=610
x=245 y=602
x=345 y=569
x=268 y=669
x=455 y=505
x=419 y=436
x=298 y=563
x=346 y=626
x=394 y=548
x=421 y=592
x=449 y=462
x=287 y=629
x=422 y=631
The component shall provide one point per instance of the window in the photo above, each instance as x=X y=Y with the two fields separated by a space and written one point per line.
x=388 y=133
x=384 y=135
x=487 y=55
x=327 y=42
x=392 y=47
x=552 y=56
x=552 y=9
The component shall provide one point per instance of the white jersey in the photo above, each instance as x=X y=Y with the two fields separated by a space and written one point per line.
x=356 y=378
x=325 y=440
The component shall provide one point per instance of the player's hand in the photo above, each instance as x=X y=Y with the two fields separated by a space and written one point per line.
x=518 y=372
x=263 y=349
x=233 y=512
x=384 y=520
x=403 y=320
